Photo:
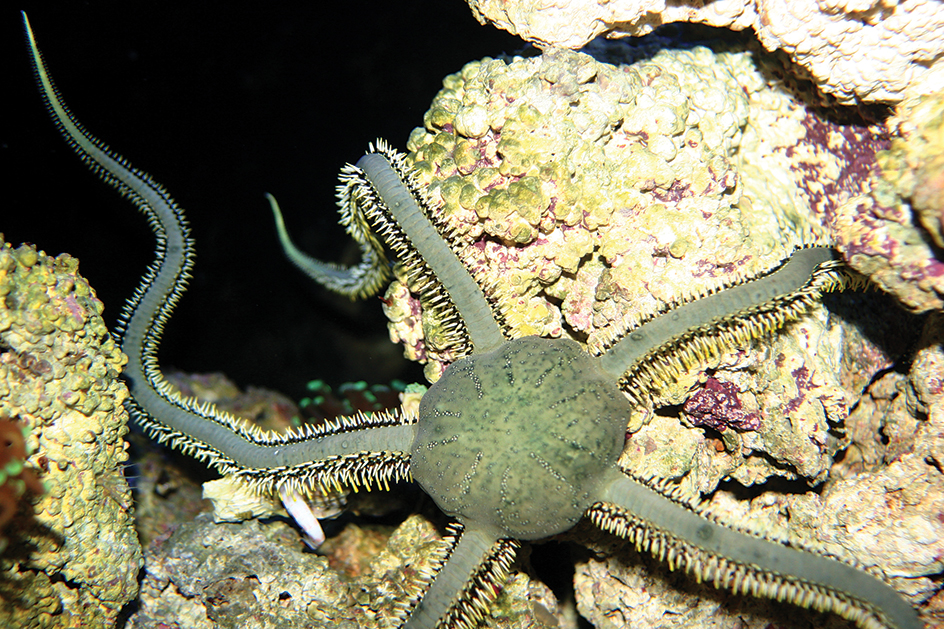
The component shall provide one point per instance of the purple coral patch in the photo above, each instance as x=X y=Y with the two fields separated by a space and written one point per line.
x=675 y=193
x=854 y=149
x=717 y=406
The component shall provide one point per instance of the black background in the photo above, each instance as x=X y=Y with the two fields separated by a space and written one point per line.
x=221 y=102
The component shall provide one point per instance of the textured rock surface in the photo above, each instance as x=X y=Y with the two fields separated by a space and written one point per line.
x=229 y=575
x=74 y=561
x=881 y=506
x=855 y=50
x=891 y=232
x=255 y=575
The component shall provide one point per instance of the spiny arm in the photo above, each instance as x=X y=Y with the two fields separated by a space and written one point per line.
x=362 y=280
x=394 y=192
x=380 y=443
x=381 y=192
x=689 y=333
x=477 y=565
x=744 y=563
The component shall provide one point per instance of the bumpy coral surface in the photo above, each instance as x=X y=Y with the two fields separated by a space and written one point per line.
x=73 y=562
x=855 y=50
x=892 y=230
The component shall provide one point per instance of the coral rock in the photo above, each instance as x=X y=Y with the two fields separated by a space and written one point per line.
x=855 y=50
x=892 y=231
x=254 y=575
x=74 y=561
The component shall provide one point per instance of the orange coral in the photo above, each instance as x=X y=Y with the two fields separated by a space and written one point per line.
x=15 y=478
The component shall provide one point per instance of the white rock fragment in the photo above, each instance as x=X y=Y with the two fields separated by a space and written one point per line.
x=233 y=501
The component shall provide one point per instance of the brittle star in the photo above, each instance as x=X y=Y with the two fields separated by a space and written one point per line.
x=511 y=420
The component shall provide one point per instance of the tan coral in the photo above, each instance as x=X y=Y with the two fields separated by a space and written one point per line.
x=855 y=50
x=59 y=375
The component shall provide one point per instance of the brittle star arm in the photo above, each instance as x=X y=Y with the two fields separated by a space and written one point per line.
x=380 y=443
x=744 y=563
x=665 y=346
x=736 y=314
x=362 y=280
x=465 y=582
x=382 y=191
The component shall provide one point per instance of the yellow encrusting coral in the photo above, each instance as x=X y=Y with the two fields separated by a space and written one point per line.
x=78 y=554
x=601 y=189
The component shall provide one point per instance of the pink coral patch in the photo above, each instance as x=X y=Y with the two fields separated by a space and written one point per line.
x=717 y=406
